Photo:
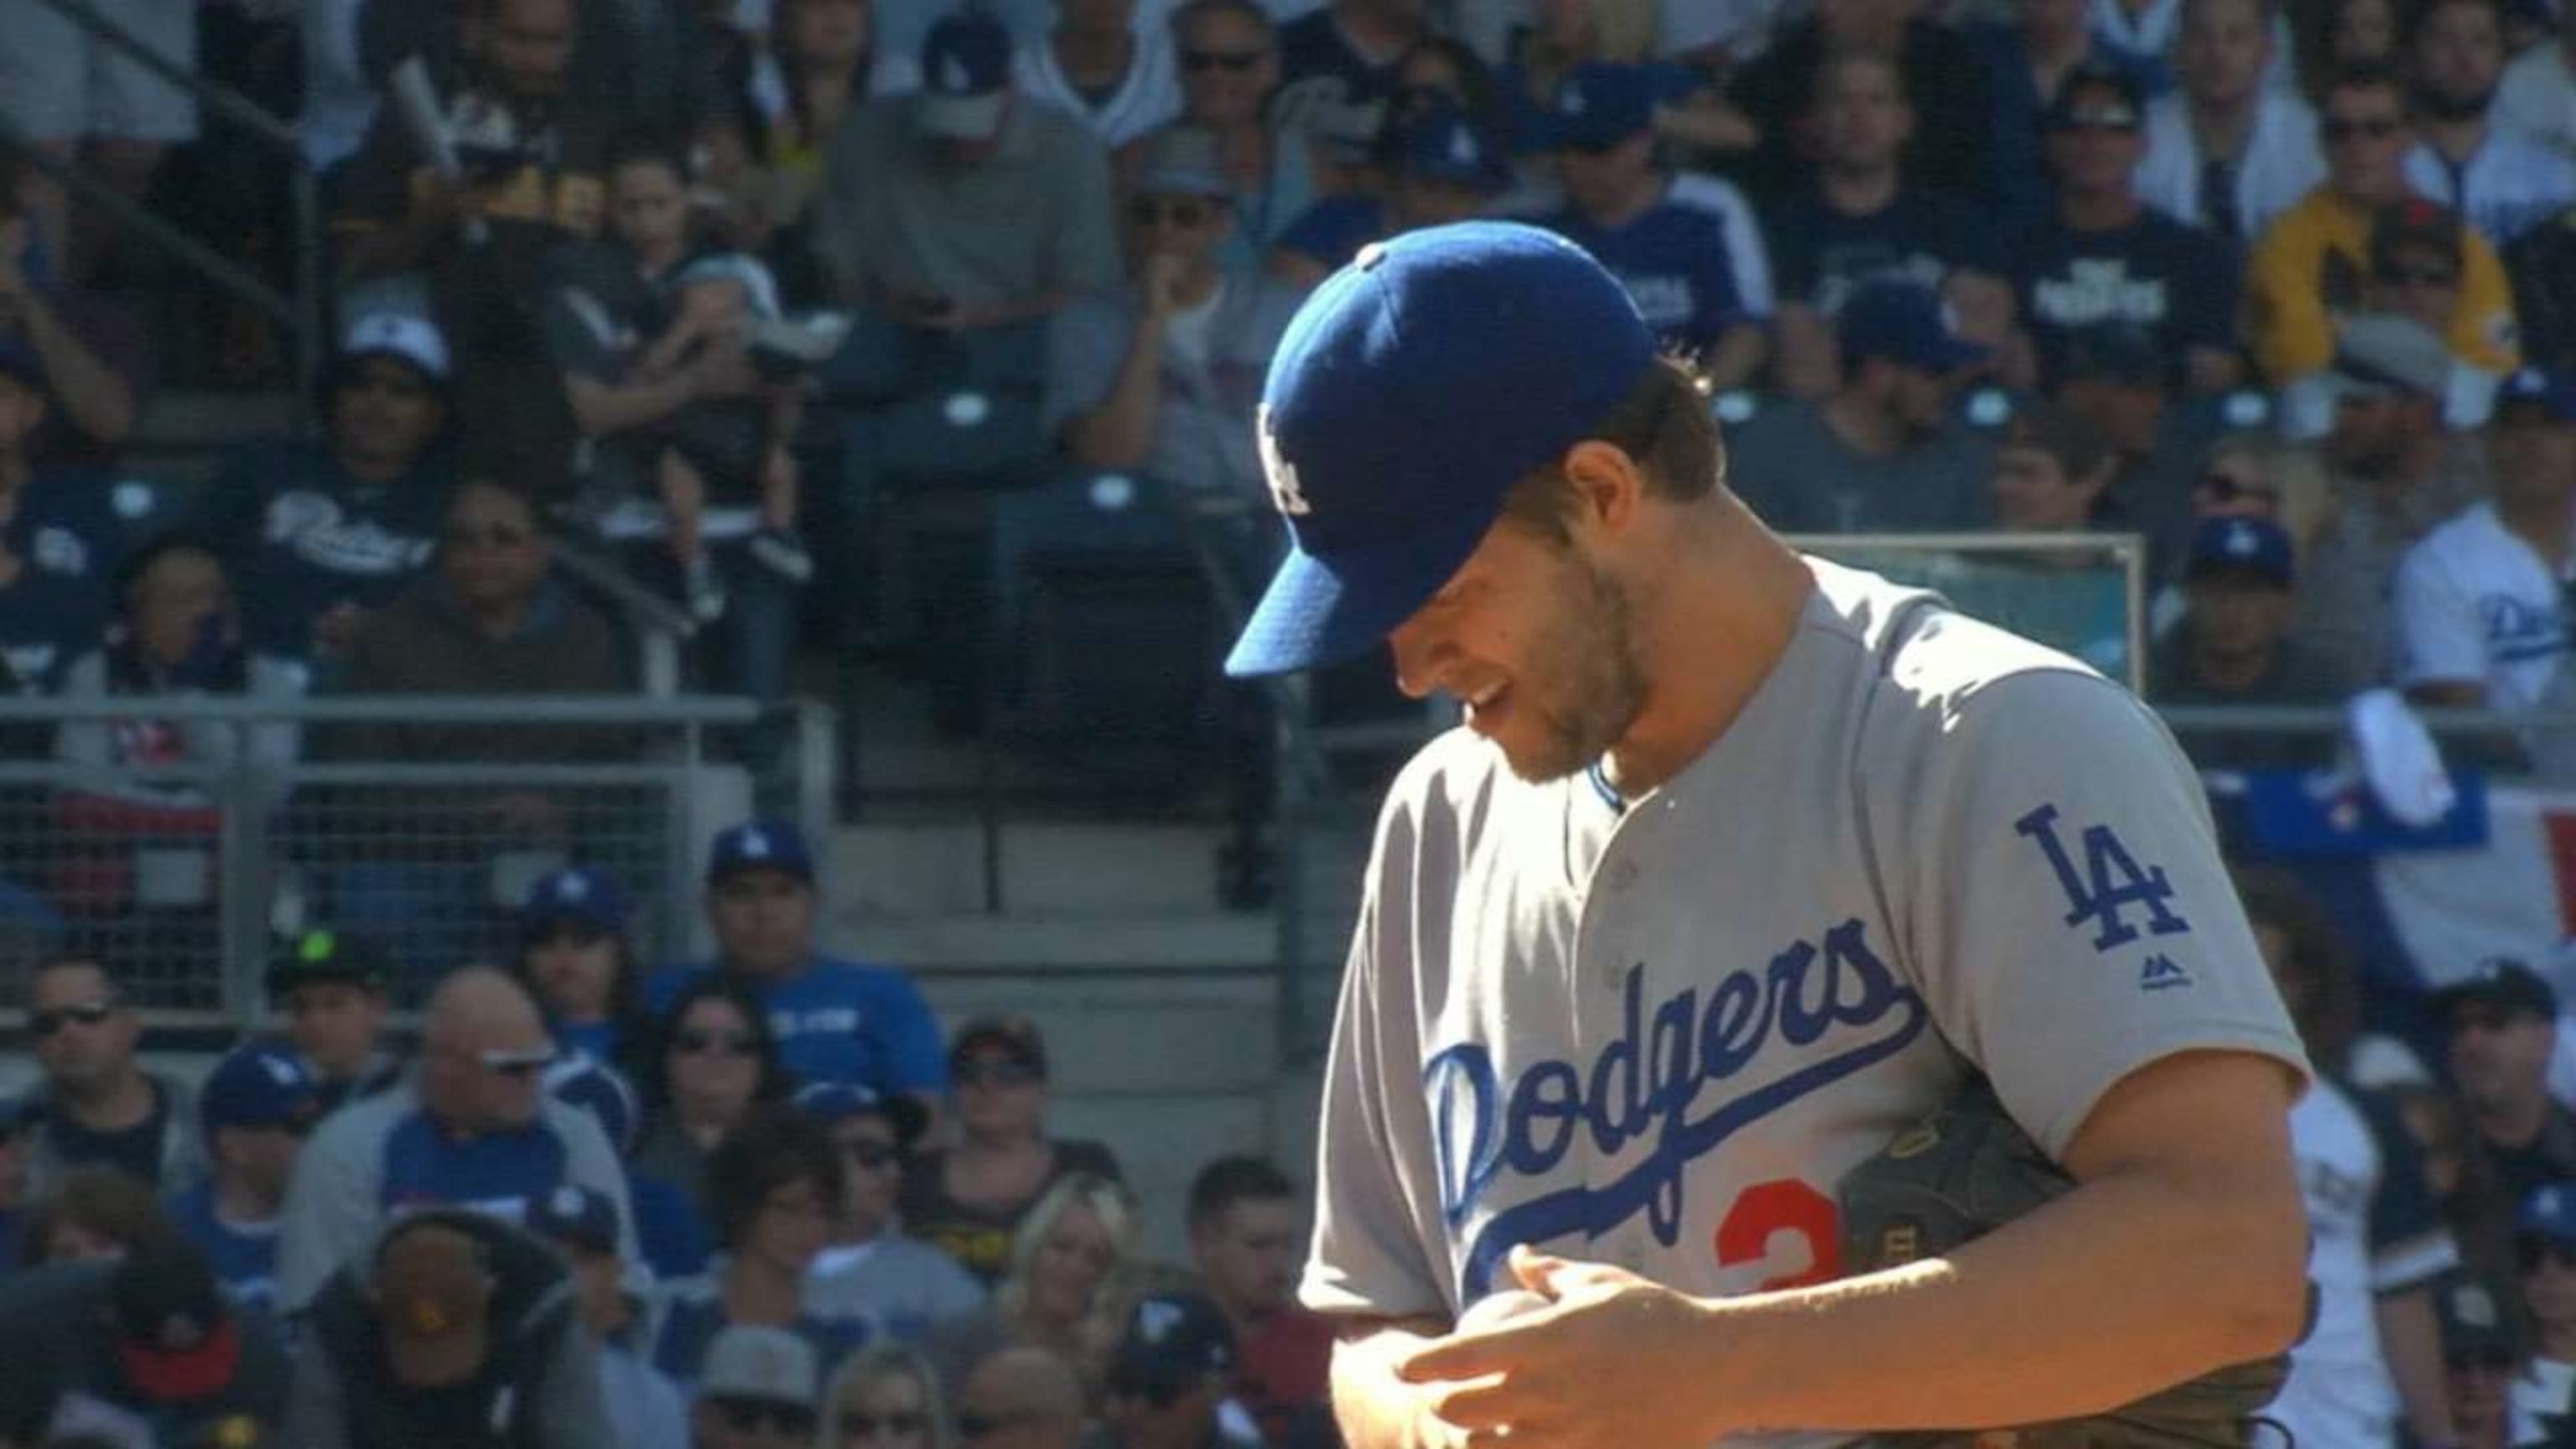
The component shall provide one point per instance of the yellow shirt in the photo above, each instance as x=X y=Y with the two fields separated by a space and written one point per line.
x=2308 y=269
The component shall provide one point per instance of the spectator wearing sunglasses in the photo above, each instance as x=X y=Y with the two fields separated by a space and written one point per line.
x=474 y=1127
x=873 y=1268
x=95 y=1104
x=758 y=1392
x=714 y=1063
x=773 y=1187
x=1169 y=1378
x=2100 y=254
x=2309 y=270
x=256 y=1106
x=2416 y=272
x=969 y=1199
x=645 y=1408
x=453 y=1330
x=1162 y=375
x=1229 y=64
x=885 y=1396
x=318 y=533
x=576 y=959
x=1120 y=79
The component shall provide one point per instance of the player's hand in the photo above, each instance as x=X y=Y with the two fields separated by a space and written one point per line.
x=1610 y=1363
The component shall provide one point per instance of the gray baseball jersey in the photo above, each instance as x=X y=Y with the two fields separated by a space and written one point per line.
x=1659 y=1034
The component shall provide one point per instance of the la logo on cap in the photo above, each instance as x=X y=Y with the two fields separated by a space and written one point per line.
x=953 y=77
x=755 y=844
x=568 y=1201
x=573 y=888
x=1462 y=147
x=2241 y=541
x=1574 y=102
x=1286 y=494
x=1157 y=1318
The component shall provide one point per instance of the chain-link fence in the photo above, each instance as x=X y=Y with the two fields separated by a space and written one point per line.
x=185 y=873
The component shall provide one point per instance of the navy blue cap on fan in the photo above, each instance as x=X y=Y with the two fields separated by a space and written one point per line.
x=1411 y=391
x=258 y=1085
x=1600 y=104
x=2255 y=546
x=965 y=68
x=2549 y=1213
x=1441 y=144
x=576 y=893
x=1905 y=322
x=1172 y=1342
x=773 y=844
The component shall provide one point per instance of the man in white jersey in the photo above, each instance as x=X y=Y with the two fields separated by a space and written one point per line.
x=2481 y=601
x=1743 y=862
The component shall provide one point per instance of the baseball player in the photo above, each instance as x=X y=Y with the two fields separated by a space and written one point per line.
x=1741 y=863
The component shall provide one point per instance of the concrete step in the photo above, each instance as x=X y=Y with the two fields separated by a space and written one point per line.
x=1046 y=868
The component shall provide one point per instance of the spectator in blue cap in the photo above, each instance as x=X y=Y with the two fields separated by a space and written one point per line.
x=575 y=956
x=1440 y=166
x=2502 y=1024
x=965 y=207
x=1169 y=1377
x=256 y=1106
x=2480 y=601
x=2545 y=1249
x=1484 y=465
x=645 y=1409
x=1887 y=451
x=2235 y=645
x=873 y=1267
x=835 y=1020
x=1671 y=243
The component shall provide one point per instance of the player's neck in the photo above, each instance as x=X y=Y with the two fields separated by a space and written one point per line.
x=1739 y=583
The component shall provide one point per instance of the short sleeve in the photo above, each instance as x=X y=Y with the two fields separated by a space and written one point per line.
x=2439 y=636
x=1086 y=343
x=2063 y=900
x=1367 y=1256
x=919 y=1059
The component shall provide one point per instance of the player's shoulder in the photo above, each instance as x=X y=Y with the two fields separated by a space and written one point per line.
x=1934 y=677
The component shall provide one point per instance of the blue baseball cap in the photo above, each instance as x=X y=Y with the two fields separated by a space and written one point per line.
x=2553 y=393
x=1599 y=104
x=1905 y=322
x=769 y=844
x=258 y=1085
x=1410 y=392
x=2550 y=1212
x=1441 y=144
x=577 y=1216
x=2255 y=546
x=1172 y=1342
x=965 y=73
x=576 y=893
x=582 y=1081
x=829 y=1102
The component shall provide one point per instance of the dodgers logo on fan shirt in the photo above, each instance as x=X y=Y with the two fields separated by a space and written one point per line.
x=1834 y=1002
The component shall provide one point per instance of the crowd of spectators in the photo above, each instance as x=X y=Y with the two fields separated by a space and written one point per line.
x=752 y=1201
x=2288 y=290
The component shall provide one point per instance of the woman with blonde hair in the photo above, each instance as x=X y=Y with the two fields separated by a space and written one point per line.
x=1064 y=1286
x=885 y=1396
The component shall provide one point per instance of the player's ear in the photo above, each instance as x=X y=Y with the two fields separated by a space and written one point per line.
x=1607 y=484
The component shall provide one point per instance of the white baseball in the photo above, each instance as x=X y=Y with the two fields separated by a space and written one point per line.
x=1501 y=1306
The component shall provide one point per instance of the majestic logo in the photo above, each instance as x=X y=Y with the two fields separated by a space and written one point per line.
x=1286 y=493
x=2162 y=973
x=1835 y=1002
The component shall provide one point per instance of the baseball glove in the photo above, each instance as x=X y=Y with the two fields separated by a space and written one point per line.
x=1961 y=1173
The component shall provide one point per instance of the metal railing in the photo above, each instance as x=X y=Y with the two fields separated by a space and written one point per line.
x=300 y=312
x=185 y=874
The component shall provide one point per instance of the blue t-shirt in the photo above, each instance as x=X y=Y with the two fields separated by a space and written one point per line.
x=301 y=536
x=69 y=543
x=1674 y=262
x=840 y=1021
x=244 y=1259
x=498 y=1173
x=667 y=1229
x=2177 y=281
x=1333 y=230
x=1819 y=254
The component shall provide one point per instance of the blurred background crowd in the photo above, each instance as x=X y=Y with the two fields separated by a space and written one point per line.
x=801 y=330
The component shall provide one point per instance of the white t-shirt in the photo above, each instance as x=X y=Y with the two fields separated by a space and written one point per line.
x=2372 y=1231
x=1148 y=97
x=2281 y=163
x=2475 y=602
x=2538 y=97
x=1748 y=257
x=2509 y=185
x=1659 y=1032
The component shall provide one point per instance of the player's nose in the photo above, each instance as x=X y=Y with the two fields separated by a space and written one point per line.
x=1420 y=654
